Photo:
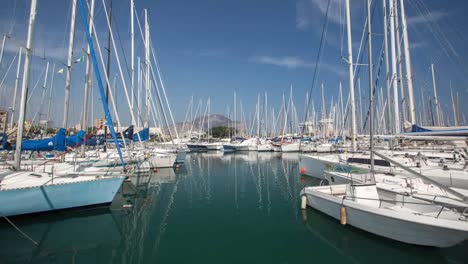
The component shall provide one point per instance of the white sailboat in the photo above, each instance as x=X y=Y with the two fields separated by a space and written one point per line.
x=393 y=215
x=26 y=192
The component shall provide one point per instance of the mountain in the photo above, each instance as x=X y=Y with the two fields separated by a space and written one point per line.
x=214 y=120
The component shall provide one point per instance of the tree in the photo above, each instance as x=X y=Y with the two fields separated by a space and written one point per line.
x=222 y=132
x=51 y=130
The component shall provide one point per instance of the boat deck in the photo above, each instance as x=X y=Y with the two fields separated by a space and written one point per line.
x=10 y=180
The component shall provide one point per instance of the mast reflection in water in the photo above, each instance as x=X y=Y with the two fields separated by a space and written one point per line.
x=217 y=208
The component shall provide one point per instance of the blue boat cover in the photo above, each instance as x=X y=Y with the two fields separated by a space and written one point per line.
x=416 y=128
x=56 y=142
x=95 y=140
x=76 y=139
x=128 y=133
x=4 y=145
x=144 y=135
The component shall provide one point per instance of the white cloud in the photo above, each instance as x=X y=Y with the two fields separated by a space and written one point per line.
x=302 y=18
x=417 y=45
x=428 y=17
x=292 y=62
x=288 y=61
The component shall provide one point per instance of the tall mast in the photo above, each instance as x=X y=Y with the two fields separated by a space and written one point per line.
x=87 y=85
x=235 y=122
x=409 y=73
x=16 y=87
x=371 y=94
x=351 y=78
x=324 y=113
x=69 y=62
x=3 y=48
x=360 y=102
x=109 y=43
x=266 y=114
x=24 y=86
x=436 y=98
x=396 y=108
x=50 y=98
x=404 y=104
x=44 y=89
x=455 y=116
x=258 y=116
x=147 y=57
x=139 y=93
x=387 y=66
x=132 y=54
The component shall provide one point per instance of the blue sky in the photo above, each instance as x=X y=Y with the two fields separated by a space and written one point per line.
x=212 y=48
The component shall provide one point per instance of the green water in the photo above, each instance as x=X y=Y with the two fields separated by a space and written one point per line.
x=233 y=208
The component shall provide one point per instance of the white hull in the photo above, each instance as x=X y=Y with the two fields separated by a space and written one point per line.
x=158 y=160
x=292 y=147
x=26 y=192
x=264 y=148
x=397 y=225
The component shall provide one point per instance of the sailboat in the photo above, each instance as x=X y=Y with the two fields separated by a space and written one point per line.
x=26 y=192
x=398 y=216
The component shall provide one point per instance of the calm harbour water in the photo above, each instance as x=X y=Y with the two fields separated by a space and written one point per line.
x=217 y=208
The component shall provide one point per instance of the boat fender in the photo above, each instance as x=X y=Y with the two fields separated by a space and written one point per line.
x=303 y=170
x=303 y=202
x=343 y=215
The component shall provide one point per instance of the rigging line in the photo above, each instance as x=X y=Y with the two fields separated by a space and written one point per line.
x=364 y=40
x=20 y=231
x=376 y=85
x=317 y=61
x=6 y=73
x=121 y=45
x=439 y=35
x=342 y=23
x=13 y=19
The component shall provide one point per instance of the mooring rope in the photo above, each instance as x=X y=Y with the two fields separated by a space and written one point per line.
x=20 y=231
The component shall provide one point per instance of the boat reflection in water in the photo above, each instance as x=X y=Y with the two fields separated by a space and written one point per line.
x=239 y=206
x=357 y=246
x=99 y=235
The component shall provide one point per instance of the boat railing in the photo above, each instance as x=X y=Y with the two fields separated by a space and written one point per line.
x=464 y=212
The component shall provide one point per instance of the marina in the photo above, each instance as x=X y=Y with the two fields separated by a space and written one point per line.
x=248 y=211
x=123 y=141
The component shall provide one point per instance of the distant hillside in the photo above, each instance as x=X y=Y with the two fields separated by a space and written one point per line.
x=214 y=120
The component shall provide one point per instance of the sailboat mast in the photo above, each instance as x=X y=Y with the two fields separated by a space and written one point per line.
x=87 y=85
x=24 y=86
x=387 y=65
x=147 y=57
x=3 y=48
x=351 y=79
x=396 y=107
x=436 y=97
x=258 y=116
x=404 y=104
x=109 y=43
x=266 y=115
x=455 y=117
x=132 y=54
x=371 y=88
x=44 y=90
x=50 y=98
x=360 y=104
x=139 y=93
x=69 y=62
x=235 y=122
x=13 y=107
x=409 y=73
